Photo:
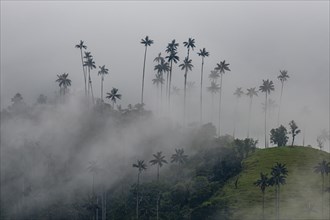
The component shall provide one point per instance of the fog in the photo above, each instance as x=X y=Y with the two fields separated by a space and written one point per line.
x=257 y=39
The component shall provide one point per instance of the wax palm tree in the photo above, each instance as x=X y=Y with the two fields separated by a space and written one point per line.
x=162 y=67
x=203 y=53
x=172 y=57
x=282 y=77
x=179 y=157
x=158 y=80
x=64 y=81
x=141 y=166
x=90 y=64
x=113 y=96
x=81 y=46
x=159 y=161
x=159 y=58
x=214 y=75
x=266 y=87
x=262 y=183
x=294 y=131
x=250 y=92
x=238 y=93
x=222 y=67
x=102 y=72
x=322 y=168
x=278 y=178
x=190 y=44
x=146 y=42
x=186 y=65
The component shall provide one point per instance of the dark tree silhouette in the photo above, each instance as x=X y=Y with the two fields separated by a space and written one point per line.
x=81 y=46
x=190 y=44
x=294 y=131
x=222 y=67
x=282 y=77
x=186 y=65
x=42 y=99
x=179 y=157
x=141 y=166
x=102 y=72
x=113 y=96
x=64 y=81
x=238 y=93
x=250 y=92
x=161 y=68
x=213 y=89
x=279 y=136
x=203 y=53
x=266 y=87
x=146 y=42
x=322 y=168
x=278 y=178
x=90 y=64
x=159 y=161
x=158 y=80
x=262 y=183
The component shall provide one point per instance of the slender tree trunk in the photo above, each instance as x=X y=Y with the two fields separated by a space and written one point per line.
x=278 y=202
x=144 y=65
x=157 y=205
x=201 y=96
x=137 y=196
x=266 y=144
x=93 y=186
x=279 y=108
x=167 y=83
x=322 y=196
x=157 y=173
x=170 y=86
x=184 y=98
x=212 y=113
x=92 y=91
x=292 y=140
x=263 y=205
x=249 y=118
x=235 y=116
x=219 y=131
x=102 y=79
x=97 y=209
x=89 y=77
x=161 y=93
x=84 y=72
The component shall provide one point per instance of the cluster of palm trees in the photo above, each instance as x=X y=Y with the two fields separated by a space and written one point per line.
x=159 y=160
x=278 y=177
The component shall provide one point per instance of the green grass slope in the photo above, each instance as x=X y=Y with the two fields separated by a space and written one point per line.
x=300 y=197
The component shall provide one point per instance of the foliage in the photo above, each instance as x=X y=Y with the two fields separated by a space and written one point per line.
x=279 y=136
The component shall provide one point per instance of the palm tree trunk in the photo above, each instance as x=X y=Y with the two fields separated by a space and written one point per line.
x=157 y=206
x=235 y=117
x=84 y=72
x=278 y=202
x=249 y=118
x=266 y=122
x=92 y=91
x=219 y=131
x=157 y=173
x=279 y=108
x=161 y=93
x=322 y=196
x=263 y=205
x=184 y=98
x=102 y=79
x=169 y=93
x=167 y=84
x=144 y=65
x=201 y=95
x=89 y=77
x=292 y=140
x=137 y=196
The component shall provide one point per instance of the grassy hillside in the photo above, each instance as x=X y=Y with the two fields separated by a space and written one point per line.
x=301 y=191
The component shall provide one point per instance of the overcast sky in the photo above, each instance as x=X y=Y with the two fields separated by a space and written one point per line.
x=257 y=38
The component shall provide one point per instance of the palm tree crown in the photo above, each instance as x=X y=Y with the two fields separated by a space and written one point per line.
x=159 y=159
x=323 y=167
x=263 y=182
x=279 y=173
x=203 y=53
x=190 y=43
x=179 y=156
x=90 y=63
x=63 y=80
x=172 y=57
x=214 y=88
x=222 y=67
x=186 y=65
x=81 y=45
x=267 y=86
x=214 y=75
x=113 y=95
x=147 y=41
x=172 y=47
x=158 y=80
x=238 y=92
x=88 y=55
x=103 y=71
x=159 y=58
x=283 y=76
x=252 y=92
x=162 y=67
x=140 y=165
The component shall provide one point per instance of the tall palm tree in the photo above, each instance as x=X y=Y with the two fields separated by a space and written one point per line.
x=64 y=81
x=238 y=93
x=159 y=58
x=266 y=87
x=172 y=57
x=250 y=92
x=214 y=75
x=222 y=67
x=162 y=67
x=141 y=166
x=203 y=53
x=262 y=183
x=213 y=89
x=279 y=174
x=322 y=168
x=186 y=65
x=81 y=46
x=90 y=64
x=146 y=42
x=282 y=77
x=113 y=96
x=179 y=157
x=190 y=44
x=102 y=72
x=159 y=161
x=158 y=80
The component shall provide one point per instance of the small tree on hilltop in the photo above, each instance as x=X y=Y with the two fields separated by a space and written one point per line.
x=294 y=131
x=279 y=136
